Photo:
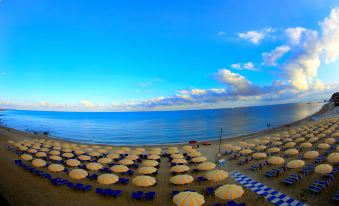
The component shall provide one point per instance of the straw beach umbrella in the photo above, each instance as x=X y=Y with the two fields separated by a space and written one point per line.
x=181 y=179
x=94 y=154
x=311 y=154
x=276 y=143
x=276 y=160
x=199 y=159
x=126 y=162
x=293 y=164
x=229 y=192
x=179 y=161
x=179 y=168
x=261 y=148
x=216 y=175
x=313 y=139
x=84 y=157
x=113 y=156
x=78 y=174
x=41 y=154
x=150 y=163
x=188 y=199
x=105 y=160
x=306 y=145
x=144 y=181
x=259 y=155
x=273 y=150
x=206 y=166
x=93 y=166
x=32 y=151
x=177 y=156
x=55 y=157
x=132 y=157
x=323 y=169
x=73 y=162
x=289 y=144
x=56 y=167
x=26 y=157
x=323 y=146
x=246 y=151
x=153 y=157
x=107 y=179
x=119 y=168
x=147 y=170
x=38 y=163
x=333 y=157
x=291 y=152
x=330 y=141
x=68 y=155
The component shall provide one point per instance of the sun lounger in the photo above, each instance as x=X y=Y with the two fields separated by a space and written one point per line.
x=210 y=191
x=130 y=172
x=201 y=179
x=123 y=180
x=86 y=188
x=99 y=191
x=336 y=196
x=174 y=192
x=137 y=195
x=149 y=196
x=78 y=186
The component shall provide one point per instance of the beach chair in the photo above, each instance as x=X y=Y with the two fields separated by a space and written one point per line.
x=123 y=180
x=210 y=191
x=336 y=196
x=78 y=186
x=174 y=192
x=99 y=191
x=201 y=179
x=86 y=188
x=130 y=172
x=149 y=196
x=137 y=195
x=117 y=193
x=70 y=185
x=232 y=203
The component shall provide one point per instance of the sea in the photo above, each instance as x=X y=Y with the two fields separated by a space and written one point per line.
x=156 y=127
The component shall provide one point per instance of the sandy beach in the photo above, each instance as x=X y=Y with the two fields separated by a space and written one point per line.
x=20 y=187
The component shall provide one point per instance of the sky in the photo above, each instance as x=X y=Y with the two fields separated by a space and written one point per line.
x=166 y=55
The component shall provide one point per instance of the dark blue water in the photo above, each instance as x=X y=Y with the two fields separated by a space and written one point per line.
x=155 y=127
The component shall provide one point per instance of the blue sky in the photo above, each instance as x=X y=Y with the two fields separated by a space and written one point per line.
x=153 y=55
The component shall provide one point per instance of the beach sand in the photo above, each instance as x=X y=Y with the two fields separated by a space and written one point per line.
x=19 y=187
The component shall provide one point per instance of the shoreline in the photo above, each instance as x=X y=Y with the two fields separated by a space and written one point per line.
x=324 y=109
x=18 y=186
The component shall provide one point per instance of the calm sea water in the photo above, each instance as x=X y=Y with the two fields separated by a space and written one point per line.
x=155 y=127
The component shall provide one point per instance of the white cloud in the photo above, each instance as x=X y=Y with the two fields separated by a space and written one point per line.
x=199 y=91
x=87 y=104
x=255 y=37
x=271 y=58
x=3 y=73
x=244 y=66
x=238 y=84
x=294 y=34
x=315 y=48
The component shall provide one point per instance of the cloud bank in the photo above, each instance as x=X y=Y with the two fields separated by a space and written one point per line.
x=297 y=59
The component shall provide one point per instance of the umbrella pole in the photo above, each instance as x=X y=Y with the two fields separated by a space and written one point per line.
x=220 y=140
